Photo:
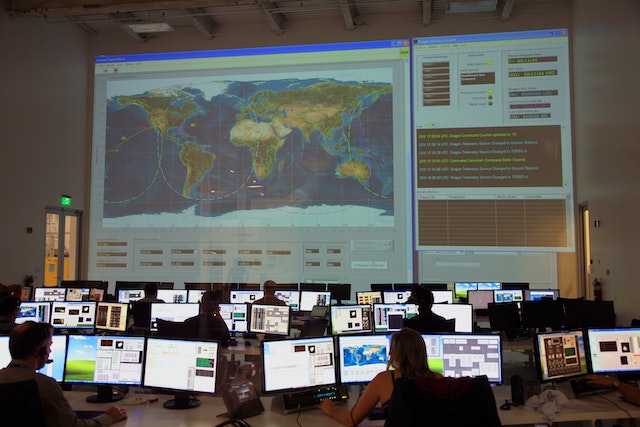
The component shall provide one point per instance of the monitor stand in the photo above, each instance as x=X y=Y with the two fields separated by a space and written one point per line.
x=106 y=393
x=182 y=401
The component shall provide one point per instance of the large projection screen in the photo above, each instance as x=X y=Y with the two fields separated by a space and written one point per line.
x=287 y=163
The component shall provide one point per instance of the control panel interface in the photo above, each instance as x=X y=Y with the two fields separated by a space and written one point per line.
x=269 y=319
x=73 y=314
x=349 y=319
x=390 y=317
x=614 y=350
x=362 y=357
x=561 y=355
x=235 y=316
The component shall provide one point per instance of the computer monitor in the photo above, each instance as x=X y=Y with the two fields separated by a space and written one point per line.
x=182 y=366
x=351 y=319
x=247 y=296
x=203 y=286
x=290 y=297
x=403 y=286
x=435 y=286
x=463 y=313
x=287 y=286
x=480 y=301
x=442 y=296
x=310 y=299
x=489 y=285
x=249 y=286
x=614 y=351
x=460 y=289
x=381 y=287
x=121 y=284
x=560 y=355
x=171 y=312
x=515 y=285
x=508 y=295
x=296 y=364
x=91 y=284
x=49 y=294
x=84 y=294
x=465 y=355
x=390 y=317
x=269 y=319
x=321 y=287
x=340 y=291
x=112 y=316
x=368 y=297
x=390 y=296
x=105 y=361
x=542 y=314
x=178 y=296
x=34 y=311
x=538 y=294
x=588 y=314
x=55 y=369
x=236 y=316
x=194 y=295
x=361 y=357
x=129 y=296
x=73 y=314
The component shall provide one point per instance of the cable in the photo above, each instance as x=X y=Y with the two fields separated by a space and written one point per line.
x=616 y=405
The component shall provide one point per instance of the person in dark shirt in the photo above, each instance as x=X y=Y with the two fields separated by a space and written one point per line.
x=426 y=321
x=270 y=298
x=9 y=309
x=209 y=324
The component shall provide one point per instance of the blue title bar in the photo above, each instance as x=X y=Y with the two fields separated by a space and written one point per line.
x=475 y=38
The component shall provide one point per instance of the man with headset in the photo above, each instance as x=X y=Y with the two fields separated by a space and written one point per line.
x=30 y=346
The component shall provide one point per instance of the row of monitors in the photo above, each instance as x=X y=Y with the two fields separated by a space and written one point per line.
x=480 y=299
x=287 y=364
x=561 y=355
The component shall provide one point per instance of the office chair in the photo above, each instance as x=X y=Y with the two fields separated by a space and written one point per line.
x=170 y=329
x=314 y=327
x=451 y=402
x=21 y=405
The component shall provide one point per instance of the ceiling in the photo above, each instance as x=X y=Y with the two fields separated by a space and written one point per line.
x=206 y=16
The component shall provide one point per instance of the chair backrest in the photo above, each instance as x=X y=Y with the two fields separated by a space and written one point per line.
x=314 y=327
x=451 y=402
x=21 y=405
x=141 y=312
x=169 y=329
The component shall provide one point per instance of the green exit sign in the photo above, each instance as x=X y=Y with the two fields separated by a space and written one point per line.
x=65 y=200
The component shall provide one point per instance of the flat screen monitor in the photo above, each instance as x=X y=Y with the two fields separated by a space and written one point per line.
x=442 y=296
x=34 y=311
x=182 y=366
x=194 y=295
x=236 y=316
x=505 y=317
x=178 y=296
x=403 y=286
x=129 y=296
x=49 y=294
x=310 y=299
x=368 y=297
x=141 y=285
x=112 y=316
x=463 y=313
x=296 y=364
x=435 y=286
x=460 y=289
x=560 y=355
x=538 y=294
x=203 y=286
x=269 y=319
x=104 y=360
x=361 y=357
x=542 y=314
x=390 y=296
x=508 y=295
x=390 y=317
x=480 y=300
x=614 y=350
x=515 y=285
x=84 y=294
x=248 y=296
x=340 y=291
x=381 y=287
x=91 y=284
x=73 y=314
x=489 y=285
x=588 y=314
x=312 y=287
x=55 y=369
x=351 y=319
x=290 y=297
x=171 y=312
x=465 y=355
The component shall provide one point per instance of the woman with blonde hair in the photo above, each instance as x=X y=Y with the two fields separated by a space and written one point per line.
x=407 y=358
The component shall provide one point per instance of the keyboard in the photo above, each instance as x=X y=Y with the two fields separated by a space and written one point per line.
x=581 y=387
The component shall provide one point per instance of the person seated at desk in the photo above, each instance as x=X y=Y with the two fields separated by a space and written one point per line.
x=629 y=392
x=426 y=321
x=270 y=298
x=407 y=357
x=150 y=294
x=30 y=346
x=9 y=309
x=209 y=324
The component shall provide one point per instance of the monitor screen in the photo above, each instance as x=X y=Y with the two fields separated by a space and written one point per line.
x=489 y=286
x=390 y=317
x=310 y=299
x=538 y=294
x=508 y=295
x=442 y=296
x=291 y=297
x=614 y=350
x=73 y=314
x=248 y=296
x=560 y=355
x=368 y=297
x=463 y=313
x=394 y=297
x=460 y=289
x=35 y=311
x=112 y=316
x=463 y=355
x=55 y=369
x=181 y=365
x=269 y=319
x=480 y=299
x=194 y=295
x=298 y=363
x=588 y=314
x=361 y=357
x=173 y=295
x=91 y=284
x=171 y=312
x=350 y=319
x=542 y=314
x=84 y=294
x=103 y=359
x=340 y=291
x=128 y=296
x=515 y=285
x=49 y=294
x=236 y=316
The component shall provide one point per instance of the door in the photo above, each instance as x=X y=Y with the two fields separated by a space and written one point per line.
x=62 y=243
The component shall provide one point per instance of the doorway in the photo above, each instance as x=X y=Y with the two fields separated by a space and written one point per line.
x=585 y=253
x=62 y=245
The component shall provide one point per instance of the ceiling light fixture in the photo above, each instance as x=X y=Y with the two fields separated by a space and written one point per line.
x=470 y=6
x=150 y=27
